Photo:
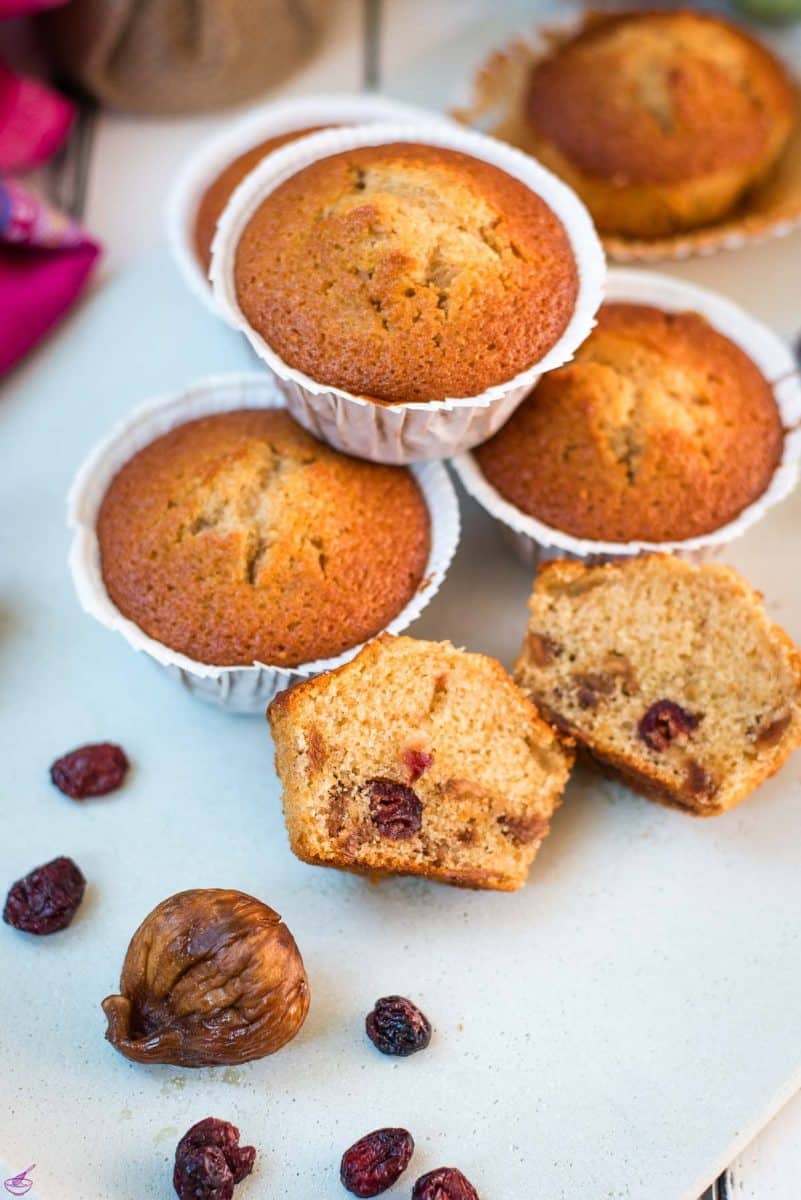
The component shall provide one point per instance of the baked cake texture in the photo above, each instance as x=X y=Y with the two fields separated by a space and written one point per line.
x=239 y=538
x=669 y=675
x=660 y=429
x=661 y=121
x=219 y=192
x=406 y=273
x=418 y=759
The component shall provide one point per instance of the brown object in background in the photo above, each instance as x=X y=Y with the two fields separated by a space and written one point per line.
x=177 y=56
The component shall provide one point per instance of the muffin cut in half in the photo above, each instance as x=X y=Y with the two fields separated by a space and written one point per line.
x=418 y=759
x=670 y=675
x=660 y=429
x=661 y=121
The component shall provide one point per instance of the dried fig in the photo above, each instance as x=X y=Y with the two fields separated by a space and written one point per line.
x=211 y=977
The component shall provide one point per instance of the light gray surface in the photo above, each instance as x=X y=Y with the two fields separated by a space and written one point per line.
x=617 y=1029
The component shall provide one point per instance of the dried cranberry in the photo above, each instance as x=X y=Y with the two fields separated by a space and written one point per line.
x=90 y=770
x=47 y=898
x=446 y=1183
x=665 y=724
x=417 y=763
x=396 y=1026
x=395 y=809
x=376 y=1161
x=203 y=1174
x=209 y=1161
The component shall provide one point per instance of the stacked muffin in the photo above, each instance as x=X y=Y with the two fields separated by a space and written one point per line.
x=406 y=273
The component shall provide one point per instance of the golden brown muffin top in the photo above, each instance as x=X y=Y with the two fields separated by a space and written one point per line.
x=406 y=273
x=659 y=97
x=239 y=538
x=218 y=193
x=660 y=429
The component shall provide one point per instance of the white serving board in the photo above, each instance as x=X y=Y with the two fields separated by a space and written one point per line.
x=620 y=1028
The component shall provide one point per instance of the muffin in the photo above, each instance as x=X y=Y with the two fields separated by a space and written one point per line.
x=669 y=675
x=418 y=759
x=661 y=121
x=238 y=539
x=219 y=192
x=406 y=273
x=660 y=429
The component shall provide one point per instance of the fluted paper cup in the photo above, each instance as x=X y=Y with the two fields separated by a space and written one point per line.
x=535 y=541
x=243 y=689
x=275 y=119
x=411 y=432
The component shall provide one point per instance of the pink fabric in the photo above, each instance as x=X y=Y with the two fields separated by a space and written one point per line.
x=34 y=121
x=45 y=262
x=21 y=8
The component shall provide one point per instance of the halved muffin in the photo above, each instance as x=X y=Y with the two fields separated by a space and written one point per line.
x=670 y=675
x=418 y=759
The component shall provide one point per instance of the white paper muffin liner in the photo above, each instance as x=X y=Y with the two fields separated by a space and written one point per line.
x=206 y=163
x=403 y=433
x=535 y=541
x=238 y=689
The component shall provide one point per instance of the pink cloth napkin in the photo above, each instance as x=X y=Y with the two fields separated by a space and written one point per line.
x=45 y=261
x=45 y=258
x=34 y=121
x=21 y=8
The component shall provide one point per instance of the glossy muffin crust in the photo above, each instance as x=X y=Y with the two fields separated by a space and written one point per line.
x=660 y=429
x=218 y=193
x=239 y=538
x=661 y=121
x=406 y=273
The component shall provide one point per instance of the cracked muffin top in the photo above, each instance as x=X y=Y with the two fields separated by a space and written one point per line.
x=239 y=538
x=690 y=92
x=406 y=273
x=652 y=101
x=660 y=429
x=219 y=192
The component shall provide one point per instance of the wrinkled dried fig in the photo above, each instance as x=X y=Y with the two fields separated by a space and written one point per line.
x=211 y=977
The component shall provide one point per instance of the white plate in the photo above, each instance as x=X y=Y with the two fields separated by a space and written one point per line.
x=618 y=1028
